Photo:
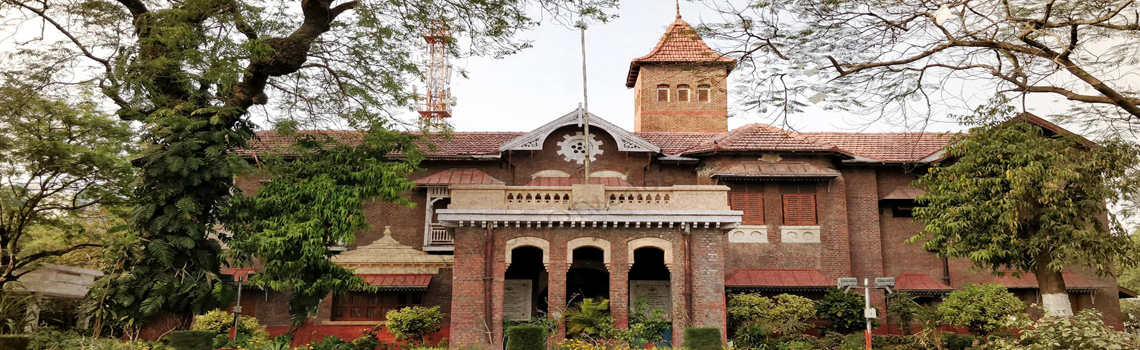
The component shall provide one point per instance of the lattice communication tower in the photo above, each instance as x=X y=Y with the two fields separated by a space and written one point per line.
x=437 y=99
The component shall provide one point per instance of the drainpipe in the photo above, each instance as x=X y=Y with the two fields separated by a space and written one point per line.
x=488 y=278
x=688 y=272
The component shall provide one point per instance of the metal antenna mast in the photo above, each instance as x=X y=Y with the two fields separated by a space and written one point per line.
x=585 y=101
x=437 y=98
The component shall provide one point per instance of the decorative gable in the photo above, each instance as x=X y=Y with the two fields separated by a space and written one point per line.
x=626 y=141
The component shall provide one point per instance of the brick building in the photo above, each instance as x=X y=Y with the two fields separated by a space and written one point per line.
x=677 y=212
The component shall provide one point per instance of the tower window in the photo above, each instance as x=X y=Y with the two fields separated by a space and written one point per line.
x=682 y=93
x=663 y=93
x=703 y=93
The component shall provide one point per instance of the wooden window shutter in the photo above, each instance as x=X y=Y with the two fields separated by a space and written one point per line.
x=752 y=204
x=799 y=209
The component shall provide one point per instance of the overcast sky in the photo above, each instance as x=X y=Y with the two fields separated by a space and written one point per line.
x=528 y=89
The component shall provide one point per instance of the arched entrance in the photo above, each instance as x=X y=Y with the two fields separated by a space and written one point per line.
x=649 y=283
x=587 y=276
x=525 y=285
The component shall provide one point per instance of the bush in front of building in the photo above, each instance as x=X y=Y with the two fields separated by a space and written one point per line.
x=192 y=340
x=14 y=342
x=526 y=337
x=219 y=322
x=844 y=310
x=590 y=318
x=1085 y=331
x=982 y=308
x=646 y=326
x=698 y=338
x=414 y=322
x=782 y=314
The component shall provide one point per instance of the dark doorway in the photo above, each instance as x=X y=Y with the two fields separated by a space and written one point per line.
x=526 y=264
x=587 y=277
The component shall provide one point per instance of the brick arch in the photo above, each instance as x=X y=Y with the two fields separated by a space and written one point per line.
x=651 y=242
x=529 y=242
x=595 y=242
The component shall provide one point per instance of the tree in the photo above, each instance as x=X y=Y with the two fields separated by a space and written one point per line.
x=893 y=58
x=844 y=310
x=414 y=322
x=1013 y=195
x=64 y=167
x=983 y=308
x=191 y=71
x=313 y=201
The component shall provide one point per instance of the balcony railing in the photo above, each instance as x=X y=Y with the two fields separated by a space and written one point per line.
x=438 y=236
x=681 y=197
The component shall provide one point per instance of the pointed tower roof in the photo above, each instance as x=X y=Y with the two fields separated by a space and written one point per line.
x=679 y=44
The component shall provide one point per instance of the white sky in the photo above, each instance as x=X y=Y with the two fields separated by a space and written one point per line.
x=525 y=90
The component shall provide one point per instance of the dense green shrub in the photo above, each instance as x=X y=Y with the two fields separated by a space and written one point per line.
x=14 y=342
x=590 y=318
x=1130 y=311
x=702 y=338
x=526 y=337
x=958 y=341
x=331 y=342
x=903 y=311
x=982 y=308
x=192 y=340
x=1084 y=331
x=414 y=322
x=220 y=322
x=844 y=310
x=645 y=326
x=783 y=314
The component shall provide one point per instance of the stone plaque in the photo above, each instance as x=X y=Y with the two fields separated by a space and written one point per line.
x=656 y=294
x=517 y=303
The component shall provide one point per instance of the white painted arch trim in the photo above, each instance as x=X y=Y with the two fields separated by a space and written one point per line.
x=651 y=242
x=595 y=242
x=529 y=242
x=626 y=141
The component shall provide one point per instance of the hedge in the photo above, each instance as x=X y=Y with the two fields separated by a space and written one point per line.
x=702 y=338
x=192 y=340
x=526 y=337
x=14 y=342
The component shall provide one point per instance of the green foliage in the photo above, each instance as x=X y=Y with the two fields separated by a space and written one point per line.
x=192 y=340
x=57 y=340
x=958 y=341
x=982 y=308
x=526 y=337
x=331 y=342
x=64 y=167
x=315 y=201
x=590 y=318
x=14 y=315
x=541 y=320
x=844 y=310
x=14 y=342
x=1014 y=196
x=414 y=322
x=1130 y=312
x=220 y=322
x=1084 y=331
x=903 y=310
x=702 y=338
x=645 y=326
x=783 y=314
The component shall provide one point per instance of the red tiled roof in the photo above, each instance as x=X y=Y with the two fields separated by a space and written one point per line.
x=458 y=176
x=921 y=283
x=787 y=279
x=674 y=143
x=679 y=44
x=567 y=181
x=398 y=281
x=240 y=274
x=904 y=192
x=1028 y=280
x=776 y=170
x=886 y=147
x=454 y=144
x=759 y=137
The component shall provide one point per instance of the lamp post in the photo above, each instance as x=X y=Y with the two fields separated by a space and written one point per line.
x=869 y=313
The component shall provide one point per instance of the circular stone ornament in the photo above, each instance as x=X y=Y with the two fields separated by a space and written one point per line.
x=573 y=147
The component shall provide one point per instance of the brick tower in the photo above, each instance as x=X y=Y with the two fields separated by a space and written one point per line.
x=680 y=85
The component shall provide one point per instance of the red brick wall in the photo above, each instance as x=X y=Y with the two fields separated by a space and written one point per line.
x=673 y=115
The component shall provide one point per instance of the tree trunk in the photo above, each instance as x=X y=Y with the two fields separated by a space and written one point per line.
x=1054 y=297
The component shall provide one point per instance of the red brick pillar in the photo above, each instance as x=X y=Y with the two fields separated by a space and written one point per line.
x=679 y=315
x=556 y=290
x=708 y=278
x=498 y=288
x=467 y=299
x=619 y=293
